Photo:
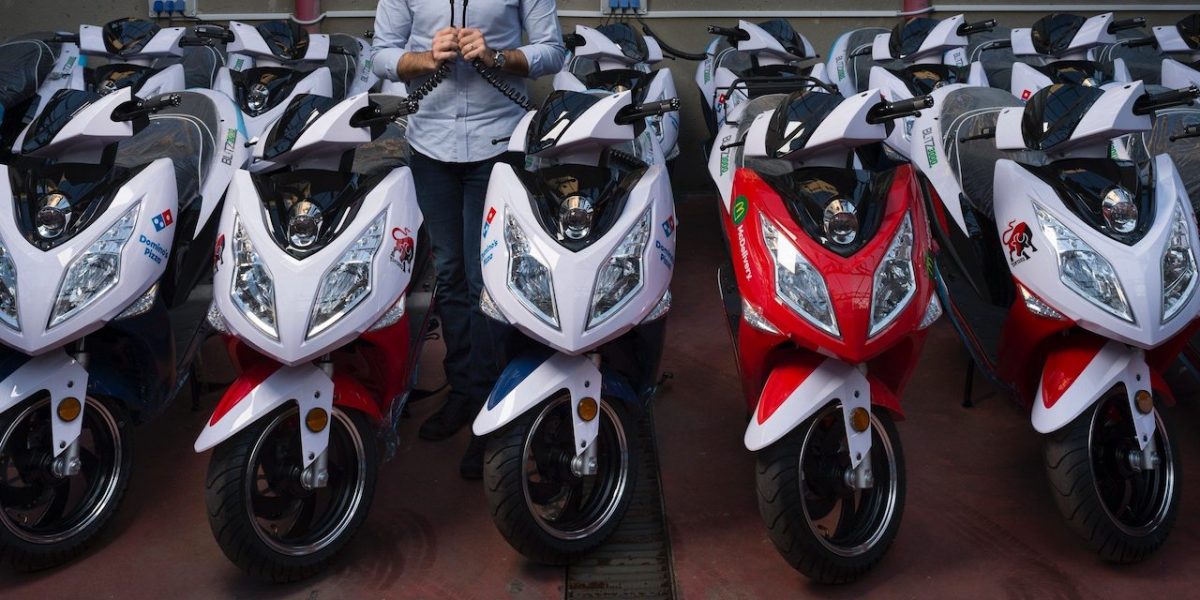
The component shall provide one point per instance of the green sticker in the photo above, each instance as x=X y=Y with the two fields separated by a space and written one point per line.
x=931 y=155
x=740 y=206
x=724 y=163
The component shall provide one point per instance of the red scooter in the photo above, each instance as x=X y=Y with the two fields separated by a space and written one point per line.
x=828 y=316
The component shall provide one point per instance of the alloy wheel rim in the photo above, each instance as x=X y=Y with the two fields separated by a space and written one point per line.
x=1137 y=502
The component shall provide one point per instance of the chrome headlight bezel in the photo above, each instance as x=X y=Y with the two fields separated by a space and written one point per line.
x=897 y=261
x=631 y=251
x=791 y=263
x=337 y=296
x=1072 y=253
x=521 y=251
x=107 y=247
x=1179 y=240
x=248 y=263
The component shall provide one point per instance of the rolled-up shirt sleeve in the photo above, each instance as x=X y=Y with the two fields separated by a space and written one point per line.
x=393 y=24
x=545 y=51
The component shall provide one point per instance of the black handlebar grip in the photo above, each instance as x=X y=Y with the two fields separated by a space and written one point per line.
x=1142 y=42
x=1149 y=103
x=65 y=38
x=887 y=111
x=191 y=41
x=1134 y=23
x=735 y=34
x=977 y=27
x=574 y=40
x=213 y=32
x=161 y=102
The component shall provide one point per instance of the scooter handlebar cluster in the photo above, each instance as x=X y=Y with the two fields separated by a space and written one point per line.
x=977 y=27
x=1149 y=103
x=380 y=115
x=1126 y=24
x=213 y=32
x=888 y=111
x=136 y=109
x=635 y=112
x=733 y=34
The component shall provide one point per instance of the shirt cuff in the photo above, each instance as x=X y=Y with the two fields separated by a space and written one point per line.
x=385 y=61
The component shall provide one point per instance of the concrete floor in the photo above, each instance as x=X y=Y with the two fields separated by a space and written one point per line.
x=979 y=519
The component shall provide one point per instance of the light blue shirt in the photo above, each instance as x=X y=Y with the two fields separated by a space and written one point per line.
x=459 y=119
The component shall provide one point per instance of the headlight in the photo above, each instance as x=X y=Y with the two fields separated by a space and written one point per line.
x=253 y=289
x=1178 y=268
x=895 y=281
x=392 y=316
x=95 y=271
x=620 y=277
x=348 y=282
x=489 y=308
x=1083 y=269
x=8 y=290
x=797 y=282
x=140 y=306
x=528 y=276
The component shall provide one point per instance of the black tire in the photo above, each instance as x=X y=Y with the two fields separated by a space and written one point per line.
x=787 y=495
x=228 y=493
x=562 y=540
x=1085 y=479
x=107 y=456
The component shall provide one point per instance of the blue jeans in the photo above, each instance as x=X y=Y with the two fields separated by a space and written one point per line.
x=451 y=197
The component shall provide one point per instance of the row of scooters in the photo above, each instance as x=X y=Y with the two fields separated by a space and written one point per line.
x=837 y=185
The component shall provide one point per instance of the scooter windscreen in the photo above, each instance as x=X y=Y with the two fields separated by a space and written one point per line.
x=287 y=40
x=125 y=37
x=1052 y=34
x=58 y=112
x=788 y=37
x=1189 y=29
x=631 y=43
x=1054 y=112
x=558 y=112
x=907 y=37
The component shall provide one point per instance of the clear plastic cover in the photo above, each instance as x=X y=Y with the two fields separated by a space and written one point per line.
x=186 y=135
x=23 y=66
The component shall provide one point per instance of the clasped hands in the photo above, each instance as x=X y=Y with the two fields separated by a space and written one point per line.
x=451 y=42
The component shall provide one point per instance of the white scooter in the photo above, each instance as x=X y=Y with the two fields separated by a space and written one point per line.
x=930 y=54
x=32 y=68
x=577 y=257
x=321 y=284
x=1066 y=45
x=143 y=56
x=109 y=199
x=1180 y=45
x=616 y=58
x=1071 y=277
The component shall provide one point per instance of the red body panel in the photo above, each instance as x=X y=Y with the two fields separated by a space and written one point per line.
x=1065 y=365
x=890 y=355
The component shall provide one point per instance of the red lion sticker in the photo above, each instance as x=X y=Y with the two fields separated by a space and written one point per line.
x=404 y=251
x=1018 y=238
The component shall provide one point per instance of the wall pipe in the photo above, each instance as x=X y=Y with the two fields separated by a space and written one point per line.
x=308 y=13
x=752 y=14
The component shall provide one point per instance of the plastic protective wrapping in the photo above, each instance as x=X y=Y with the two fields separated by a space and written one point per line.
x=1144 y=63
x=997 y=62
x=200 y=64
x=186 y=134
x=757 y=106
x=968 y=112
x=343 y=63
x=858 y=56
x=24 y=63
x=1185 y=152
x=384 y=153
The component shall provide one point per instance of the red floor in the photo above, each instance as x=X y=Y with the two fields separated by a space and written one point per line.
x=979 y=520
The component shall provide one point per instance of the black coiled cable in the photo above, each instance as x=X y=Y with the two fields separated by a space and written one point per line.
x=493 y=77
x=439 y=74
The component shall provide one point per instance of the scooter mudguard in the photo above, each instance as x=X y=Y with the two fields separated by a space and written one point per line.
x=529 y=380
x=1077 y=375
x=59 y=375
x=797 y=389
x=256 y=394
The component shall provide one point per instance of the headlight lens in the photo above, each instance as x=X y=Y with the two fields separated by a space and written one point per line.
x=253 y=290
x=392 y=316
x=895 y=281
x=94 y=272
x=348 y=282
x=621 y=276
x=1083 y=269
x=1178 y=268
x=528 y=276
x=140 y=306
x=797 y=281
x=8 y=290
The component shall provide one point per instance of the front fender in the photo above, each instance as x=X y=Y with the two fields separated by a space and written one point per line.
x=532 y=378
x=1077 y=375
x=797 y=389
x=258 y=391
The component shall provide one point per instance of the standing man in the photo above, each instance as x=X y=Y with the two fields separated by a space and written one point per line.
x=452 y=158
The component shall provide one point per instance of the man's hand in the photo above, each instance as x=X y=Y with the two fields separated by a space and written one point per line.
x=473 y=46
x=445 y=44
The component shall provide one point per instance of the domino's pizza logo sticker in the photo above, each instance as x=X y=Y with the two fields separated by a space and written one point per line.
x=163 y=220
x=668 y=226
x=487 y=221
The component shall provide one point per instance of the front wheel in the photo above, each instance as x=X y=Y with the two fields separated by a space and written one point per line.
x=542 y=506
x=1123 y=512
x=265 y=520
x=822 y=525
x=47 y=519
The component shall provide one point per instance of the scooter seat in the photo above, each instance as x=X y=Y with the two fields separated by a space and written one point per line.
x=185 y=134
x=343 y=64
x=1184 y=152
x=965 y=113
x=24 y=64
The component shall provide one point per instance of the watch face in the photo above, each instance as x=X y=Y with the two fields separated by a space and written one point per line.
x=498 y=58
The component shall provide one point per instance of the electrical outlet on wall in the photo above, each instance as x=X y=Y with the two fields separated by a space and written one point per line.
x=626 y=7
x=162 y=9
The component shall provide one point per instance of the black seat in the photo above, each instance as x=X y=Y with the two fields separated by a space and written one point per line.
x=187 y=135
x=858 y=56
x=342 y=63
x=24 y=63
x=968 y=112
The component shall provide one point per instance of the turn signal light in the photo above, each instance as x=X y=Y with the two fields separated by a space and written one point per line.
x=69 y=409
x=588 y=409
x=1144 y=401
x=860 y=419
x=316 y=420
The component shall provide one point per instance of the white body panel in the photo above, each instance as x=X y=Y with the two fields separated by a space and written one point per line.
x=164 y=43
x=1016 y=190
x=574 y=273
x=90 y=129
x=893 y=88
x=306 y=385
x=327 y=134
x=576 y=374
x=1093 y=33
x=40 y=273
x=247 y=41
x=1170 y=42
x=61 y=377
x=297 y=282
x=936 y=47
x=832 y=381
x=1115 y=364
x=1177 y=75
x=763 y=43
x=67 y=69
x=845 y=127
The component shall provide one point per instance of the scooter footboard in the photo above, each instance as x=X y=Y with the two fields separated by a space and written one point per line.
x=529 y=380
x=797 y=389
x=1075 y=376
x=260 y=391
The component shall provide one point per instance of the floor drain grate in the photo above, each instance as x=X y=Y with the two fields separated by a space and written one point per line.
x=636 y=560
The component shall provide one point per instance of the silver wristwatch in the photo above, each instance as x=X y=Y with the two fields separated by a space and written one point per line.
x=498 y=59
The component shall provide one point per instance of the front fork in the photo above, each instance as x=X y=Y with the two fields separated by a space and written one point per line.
x=316 y=474
x=65 y=379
